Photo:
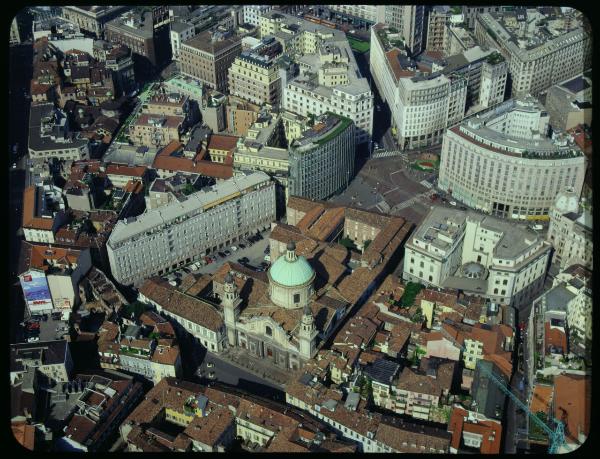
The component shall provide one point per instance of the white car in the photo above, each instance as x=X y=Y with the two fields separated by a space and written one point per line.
x=14 y=166
x=33 y=339
x=233 y=248
x=452 y=203
x=210 y=364
x=268 y=258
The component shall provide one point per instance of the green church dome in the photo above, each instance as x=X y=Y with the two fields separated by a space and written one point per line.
x=290 y=270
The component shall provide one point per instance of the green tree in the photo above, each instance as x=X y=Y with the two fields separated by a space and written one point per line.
x=348 y=243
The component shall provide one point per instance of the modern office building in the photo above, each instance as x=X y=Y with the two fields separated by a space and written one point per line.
x=370 y=13
x=180 y=232
x=503 y=163
x=321 y=161
x=423 y=105
x=411 y=22
x=254 y=75
x=329 y=79
x=570 y=231
x=541 y=50
x=208 y=56
x=437 y=20
x=480 y=255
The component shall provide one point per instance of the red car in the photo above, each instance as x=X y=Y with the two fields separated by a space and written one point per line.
x=33 y=326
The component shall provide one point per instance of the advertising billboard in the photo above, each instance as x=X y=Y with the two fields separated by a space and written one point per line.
x=35 y=290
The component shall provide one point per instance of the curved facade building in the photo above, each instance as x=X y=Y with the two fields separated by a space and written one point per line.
x=322 y=160
x=503 y=163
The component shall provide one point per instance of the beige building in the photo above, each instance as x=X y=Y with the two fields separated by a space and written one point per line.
x=503 y=163
x=570 y=103
x=541 y=50
x=208 y=56
x=436 y=27
x=480 y=255
x=570 y=231
x=240 y=115
x=155 y=130
x=254 y=75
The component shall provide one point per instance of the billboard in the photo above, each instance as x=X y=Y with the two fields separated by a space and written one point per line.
x=35 y=289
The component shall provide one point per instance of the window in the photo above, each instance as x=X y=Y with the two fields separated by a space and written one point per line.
x=296 y=298
x=269 y=331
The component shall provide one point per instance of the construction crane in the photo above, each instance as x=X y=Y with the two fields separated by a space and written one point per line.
x=556 y=437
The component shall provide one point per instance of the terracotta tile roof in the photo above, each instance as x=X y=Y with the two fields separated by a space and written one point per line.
x=24 y=433
x=133 y=187
x=209 y=429
x=79 y=428
x=263 y=416
x=129 y=171
x=420 y=383
x=324 y=228
x=165 y=329
x=490 y=430
x=190 y=308
x=554 y=337
x=171 y=121
x=199 y=285
x=151 y=318
x=353 y=286
x=374 y=219
x=35 y=256
x=109 y=331
x=541 y=398
x=165 y=355
x=573 y=404
x=301 y=204
x=310 y=218
x=222 y=142
x=412 y=438
x=165 y=161
x=282 y=443
x=29 y=218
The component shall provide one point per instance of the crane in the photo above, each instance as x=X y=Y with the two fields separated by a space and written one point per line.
x=556 y=437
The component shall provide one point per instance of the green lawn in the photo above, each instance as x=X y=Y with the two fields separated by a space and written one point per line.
x=359 y=45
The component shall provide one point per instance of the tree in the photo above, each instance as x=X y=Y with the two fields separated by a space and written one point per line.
x=348 y=243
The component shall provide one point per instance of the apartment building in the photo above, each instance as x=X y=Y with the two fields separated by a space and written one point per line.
x=481 y=255
x=92 y=19
x=437 y=19
x=151 y=130
x=370 y=13
x=411 y=22
x=503 y=163
x=202 y=320
x=472 y=431
x=329 y=79
x=52 y=359
x=254 y=75
x=541 y=50
x=570 y=231
x=51 y=137
x=120 y=62
x=252 y=13
x=240 y=115
x=423 y=105
x=180 y=32
x=569 y=103
x=43 y=213
x=208 y=56
x=180 y=232
x=185 y=86
x=146 y=34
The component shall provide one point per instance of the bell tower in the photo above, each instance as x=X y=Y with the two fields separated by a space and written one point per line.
x=307 y=334
x=231 y=308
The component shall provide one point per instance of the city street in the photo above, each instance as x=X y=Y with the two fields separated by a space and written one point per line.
x=21 y=72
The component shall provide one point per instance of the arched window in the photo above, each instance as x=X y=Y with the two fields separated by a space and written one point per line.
x=268 y=331
x=296 y=298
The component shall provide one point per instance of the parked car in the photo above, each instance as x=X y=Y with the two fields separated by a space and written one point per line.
x=233 y=248
x=45 y=317
x=33 y=326
x=452 y=203
x=221 y=254
x=33 y=339
x=14 y=166
x=242 y=246
x=227 y=252
x=259 y=236
x=243 y=260
x=187 y=270
x=267 y=257
x=210 y=364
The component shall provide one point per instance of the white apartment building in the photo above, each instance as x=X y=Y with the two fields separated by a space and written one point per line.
x=329 y=77
x=502 y=162
x=541 y=51
x=181 y=232
x=422 y=105
x=411 y=23
x=480 y=255
x=570 y=231
x=371 y=13
x=252 y=13
x=180 y=32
